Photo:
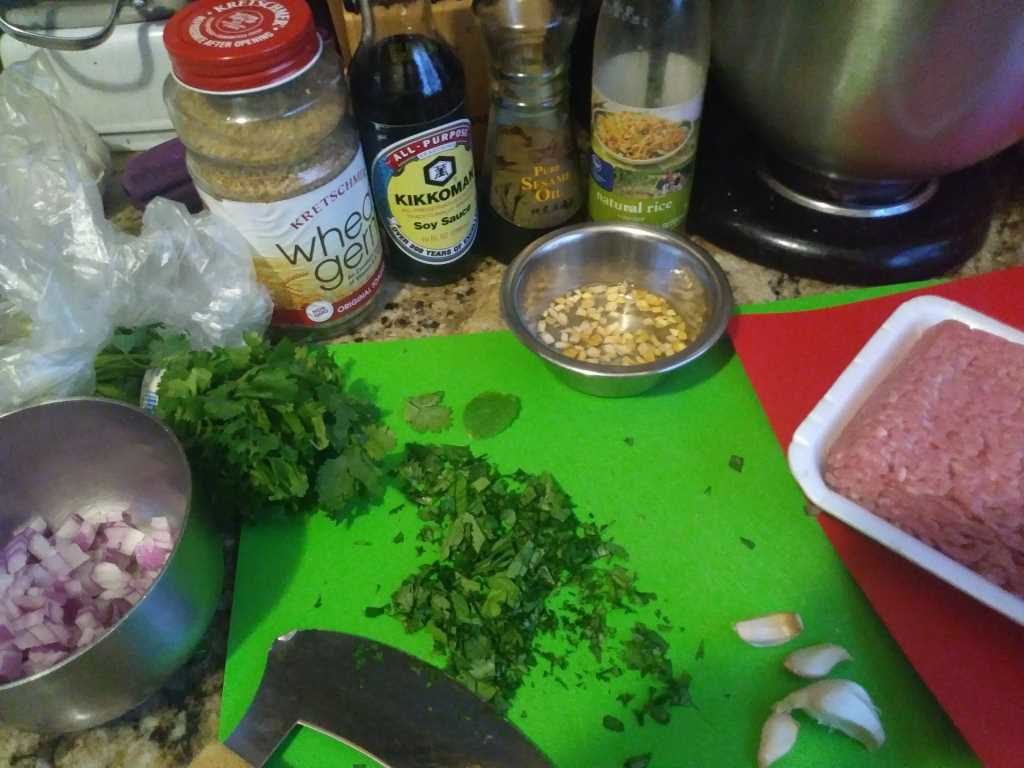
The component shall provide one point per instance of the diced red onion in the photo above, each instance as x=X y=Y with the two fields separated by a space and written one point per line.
x=110 y=577
x=150 y=556
x=44 y=657
x=86 y=619
x=117 y=557
x=69 y=528
x=10 y=665
x=41 y=575
x=86 y=535
x=16 y=556
x=36 y=524
x=25 y=640
x=40 y=548
x=29 y=619
x=72 y=554
x=30 y=602
x=57 y=565
x=104 y=514
x=73 y=588
x=89 y=636
x=61 y=590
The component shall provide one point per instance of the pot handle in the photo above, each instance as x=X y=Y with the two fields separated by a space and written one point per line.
x=60 y=43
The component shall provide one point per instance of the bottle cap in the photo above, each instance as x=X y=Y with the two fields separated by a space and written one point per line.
x=238 y=46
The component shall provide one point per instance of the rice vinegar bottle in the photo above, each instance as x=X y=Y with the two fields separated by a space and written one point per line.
x=650 y=69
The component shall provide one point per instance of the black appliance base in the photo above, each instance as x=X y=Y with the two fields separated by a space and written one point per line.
x=734 y=208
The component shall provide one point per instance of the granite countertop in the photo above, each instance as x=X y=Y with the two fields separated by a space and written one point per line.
x=170 y=728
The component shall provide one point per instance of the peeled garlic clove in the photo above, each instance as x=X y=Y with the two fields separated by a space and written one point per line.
x=777 y=737
x=816 y=660
x=840 y=704
x=773 y=629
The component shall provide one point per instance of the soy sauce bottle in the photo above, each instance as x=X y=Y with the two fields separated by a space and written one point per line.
x=408 y=88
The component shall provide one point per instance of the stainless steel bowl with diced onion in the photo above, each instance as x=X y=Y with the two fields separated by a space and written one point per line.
x=613 y=308
x=108 y=577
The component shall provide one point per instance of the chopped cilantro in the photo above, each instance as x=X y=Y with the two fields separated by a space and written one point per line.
x=736 y=463
x=749 y=544
x=506 y=546
x=613 y=724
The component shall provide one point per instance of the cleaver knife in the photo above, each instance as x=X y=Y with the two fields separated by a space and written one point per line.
x=390 y=706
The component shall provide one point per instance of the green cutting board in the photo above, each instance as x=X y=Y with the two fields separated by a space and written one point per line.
x=715 y=544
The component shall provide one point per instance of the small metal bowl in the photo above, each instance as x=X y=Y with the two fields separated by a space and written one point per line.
x=66 y=456
x=584 y=254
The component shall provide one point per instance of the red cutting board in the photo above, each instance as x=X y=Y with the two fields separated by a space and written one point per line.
x=971 y=657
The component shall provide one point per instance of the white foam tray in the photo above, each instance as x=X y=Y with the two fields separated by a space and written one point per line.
x=819 y=430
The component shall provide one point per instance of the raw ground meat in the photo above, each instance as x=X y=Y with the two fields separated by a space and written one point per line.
x=938 y=450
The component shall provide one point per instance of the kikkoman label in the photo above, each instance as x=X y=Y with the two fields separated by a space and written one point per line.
x=425 y=190
x=320 y=253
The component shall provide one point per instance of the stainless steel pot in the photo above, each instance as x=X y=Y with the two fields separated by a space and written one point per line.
x=875 y=89
x=61 y=457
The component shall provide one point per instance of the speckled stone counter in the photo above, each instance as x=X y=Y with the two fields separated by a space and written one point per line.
x=170 y=728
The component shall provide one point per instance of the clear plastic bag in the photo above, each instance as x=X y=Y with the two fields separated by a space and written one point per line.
x=68 y=278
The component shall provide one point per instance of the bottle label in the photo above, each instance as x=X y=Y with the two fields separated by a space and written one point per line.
x=319 y=254
x=534 y=177
x=642 y=161
x=425 y=190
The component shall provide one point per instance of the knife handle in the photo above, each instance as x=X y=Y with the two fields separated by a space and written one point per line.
x=218 y=756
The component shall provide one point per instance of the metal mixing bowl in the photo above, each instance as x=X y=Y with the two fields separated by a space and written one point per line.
x=67 y=456
x=585 y=254
x=875 y=89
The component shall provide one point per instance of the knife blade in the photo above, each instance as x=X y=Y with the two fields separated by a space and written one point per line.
x=389 y=705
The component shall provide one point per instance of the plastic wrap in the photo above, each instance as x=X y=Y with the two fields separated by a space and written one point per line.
x=68 y=278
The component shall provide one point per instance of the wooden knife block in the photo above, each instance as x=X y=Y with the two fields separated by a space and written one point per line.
x=455 y=21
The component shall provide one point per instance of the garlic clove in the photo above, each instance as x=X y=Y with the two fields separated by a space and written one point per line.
x=840 y=704
x=769 y=630
x=777 y=737
x=816 y=660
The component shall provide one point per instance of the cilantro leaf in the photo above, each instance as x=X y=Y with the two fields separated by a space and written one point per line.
x=489 y=414
x=427 y=412
x=334 y=483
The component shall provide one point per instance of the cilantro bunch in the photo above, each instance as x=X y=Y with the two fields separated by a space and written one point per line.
x=269 y=429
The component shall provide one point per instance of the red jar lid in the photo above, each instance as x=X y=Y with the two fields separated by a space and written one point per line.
x=230 y=46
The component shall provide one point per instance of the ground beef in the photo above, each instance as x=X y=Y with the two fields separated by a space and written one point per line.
x=938 y=450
